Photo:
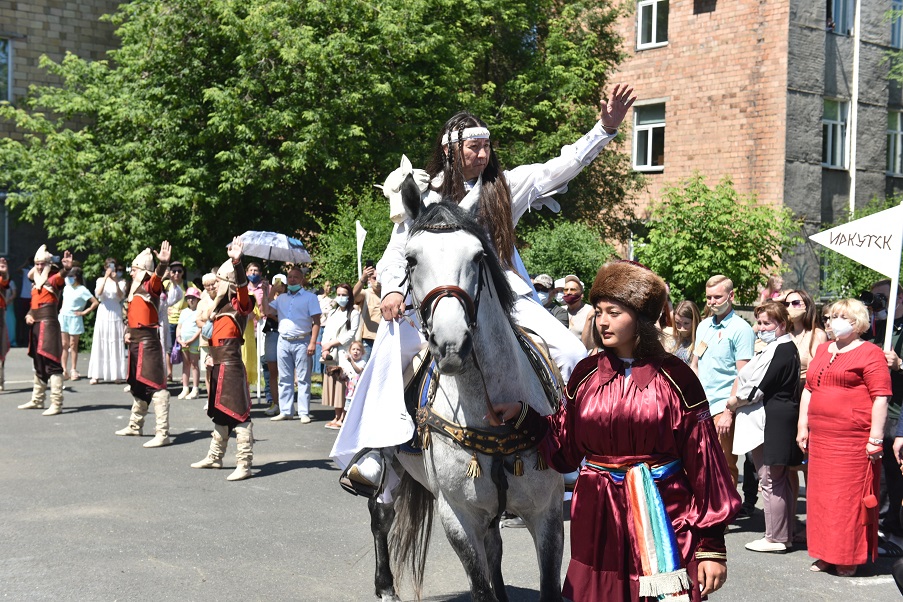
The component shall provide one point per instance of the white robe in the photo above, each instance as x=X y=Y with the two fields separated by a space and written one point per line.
x=378 y=417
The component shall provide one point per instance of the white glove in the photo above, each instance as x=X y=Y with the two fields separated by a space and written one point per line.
x=392 y=187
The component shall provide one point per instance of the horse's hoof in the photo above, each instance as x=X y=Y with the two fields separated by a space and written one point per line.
x=389 y=598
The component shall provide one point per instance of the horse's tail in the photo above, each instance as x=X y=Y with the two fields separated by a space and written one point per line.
x=410 y=537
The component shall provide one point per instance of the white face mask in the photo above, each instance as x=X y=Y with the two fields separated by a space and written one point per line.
x=841 y=328
x=543 y=297
x=342 y=300
x=767 y=336
x=560 y=298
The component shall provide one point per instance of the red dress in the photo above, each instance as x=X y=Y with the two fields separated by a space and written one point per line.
x=840 y=474
x=661 y=415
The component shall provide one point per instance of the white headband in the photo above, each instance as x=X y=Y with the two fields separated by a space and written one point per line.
x=465 y=134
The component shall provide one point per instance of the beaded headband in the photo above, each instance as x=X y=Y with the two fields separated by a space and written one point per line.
x=465 y=134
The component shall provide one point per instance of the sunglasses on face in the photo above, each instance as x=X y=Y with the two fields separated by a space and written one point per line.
x=176 y=271
x=794 y=303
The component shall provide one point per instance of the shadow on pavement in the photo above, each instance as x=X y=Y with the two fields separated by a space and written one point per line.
x=187 y=436
x=274 y=468
x=94 y=407
x=515 y=594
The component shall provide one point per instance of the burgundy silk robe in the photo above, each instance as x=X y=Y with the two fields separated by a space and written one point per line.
x=660 y=415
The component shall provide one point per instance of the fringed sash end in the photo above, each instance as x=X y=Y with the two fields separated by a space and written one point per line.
x=665 y=584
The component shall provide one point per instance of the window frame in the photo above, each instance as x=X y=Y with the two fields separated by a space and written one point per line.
x=843 y=21
x=894 y=164
x=650 y=128
x=9 y=69
x=639 y=24
x=843 y=122
x=896 y=26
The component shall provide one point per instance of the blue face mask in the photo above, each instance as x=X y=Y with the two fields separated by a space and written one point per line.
x=342 y=300
x=294 y=288
x=767 y=336
x=119 y=275
x=70 y=280
x=253 y=278
x=543 y=297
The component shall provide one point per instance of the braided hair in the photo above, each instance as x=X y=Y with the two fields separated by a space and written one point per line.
x=495 y=197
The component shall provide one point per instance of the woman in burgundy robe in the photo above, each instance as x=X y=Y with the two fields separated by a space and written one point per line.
x=633 y=404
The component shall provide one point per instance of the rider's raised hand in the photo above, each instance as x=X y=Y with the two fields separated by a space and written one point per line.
x=392 y=306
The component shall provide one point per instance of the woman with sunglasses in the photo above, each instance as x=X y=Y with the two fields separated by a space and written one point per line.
x=804 y=329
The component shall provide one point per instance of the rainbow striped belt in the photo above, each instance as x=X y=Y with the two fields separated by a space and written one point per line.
x=663 y=577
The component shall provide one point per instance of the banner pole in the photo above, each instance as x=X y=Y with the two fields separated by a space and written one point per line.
x=892 y=303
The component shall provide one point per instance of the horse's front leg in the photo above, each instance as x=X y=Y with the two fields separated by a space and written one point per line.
x=493 y=543
x=381 y=517
x=462 y=532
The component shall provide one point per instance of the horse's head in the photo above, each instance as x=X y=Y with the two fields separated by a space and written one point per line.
x=452 y=270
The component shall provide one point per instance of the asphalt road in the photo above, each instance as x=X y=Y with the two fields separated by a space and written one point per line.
x=87 y=515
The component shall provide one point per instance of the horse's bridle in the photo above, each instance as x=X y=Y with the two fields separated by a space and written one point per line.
x=427 y=305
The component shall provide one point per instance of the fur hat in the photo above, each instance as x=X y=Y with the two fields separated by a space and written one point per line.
x=632 y=284
x=43 y=255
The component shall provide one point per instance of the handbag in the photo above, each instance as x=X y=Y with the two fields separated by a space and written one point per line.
x=175 y=357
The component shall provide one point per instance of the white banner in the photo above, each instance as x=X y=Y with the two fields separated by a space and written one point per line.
x=361 y=235
x=875 y=241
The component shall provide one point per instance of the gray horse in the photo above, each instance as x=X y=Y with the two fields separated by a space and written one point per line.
x=472 y=467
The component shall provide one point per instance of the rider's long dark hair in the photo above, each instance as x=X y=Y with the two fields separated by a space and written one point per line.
x=495 y=198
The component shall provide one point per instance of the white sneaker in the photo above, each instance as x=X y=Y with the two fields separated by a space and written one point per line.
x=184 y=393
x=304 y=418
x=193 y=394
x=763 y=545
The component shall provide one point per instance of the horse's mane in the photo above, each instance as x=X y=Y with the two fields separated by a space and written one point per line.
x=449 y=216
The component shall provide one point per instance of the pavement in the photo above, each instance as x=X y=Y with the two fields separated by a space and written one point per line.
x=90 y=516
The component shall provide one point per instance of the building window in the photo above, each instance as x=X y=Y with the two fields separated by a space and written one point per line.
x=840 y=16
x=895 y=143
x=896 y=24
x=652 y=23
x=834 y=134
x=649 y=137
x=6 y=70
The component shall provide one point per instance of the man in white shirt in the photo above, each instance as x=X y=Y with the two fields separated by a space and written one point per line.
x=298 y=312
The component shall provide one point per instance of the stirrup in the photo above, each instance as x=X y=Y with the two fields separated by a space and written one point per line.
x=352 y=482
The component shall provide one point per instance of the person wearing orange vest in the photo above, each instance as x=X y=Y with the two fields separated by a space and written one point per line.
x=229 y=399
x=147 y=369
x=45 y=340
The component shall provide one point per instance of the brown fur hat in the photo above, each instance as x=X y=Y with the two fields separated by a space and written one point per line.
x=632 y=284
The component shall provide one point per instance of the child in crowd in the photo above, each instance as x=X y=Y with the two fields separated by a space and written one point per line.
x=353 y=364
x=77 y=303
x=188 y=334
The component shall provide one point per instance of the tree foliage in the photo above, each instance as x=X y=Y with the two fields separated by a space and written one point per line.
x=565 y=247
x=336 y=246
x=697 y=232
x=841 y=276
x=218 y=116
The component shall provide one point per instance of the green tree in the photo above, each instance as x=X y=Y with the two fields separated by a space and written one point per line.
x=565 y=247
x=336 y=246
x=696 y=232
x=218 y=116
x=841 y=276
x=894 y=56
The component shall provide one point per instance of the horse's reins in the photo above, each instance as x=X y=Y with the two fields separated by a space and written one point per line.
x=471 y=306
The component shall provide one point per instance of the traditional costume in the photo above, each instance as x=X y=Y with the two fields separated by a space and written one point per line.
x=378 y=417
x=654 y=496
x=229 y=399
x=147 y=368
x=45 y=340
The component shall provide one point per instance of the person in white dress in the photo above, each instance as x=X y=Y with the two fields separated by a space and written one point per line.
x=463 y=159
x=108 y=360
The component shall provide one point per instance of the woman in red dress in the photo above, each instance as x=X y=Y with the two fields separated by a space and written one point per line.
x=842 y=414
x=640 y=418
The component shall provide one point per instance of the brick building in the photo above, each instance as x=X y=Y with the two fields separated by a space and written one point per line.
x=761 y=91
x=29 y=30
